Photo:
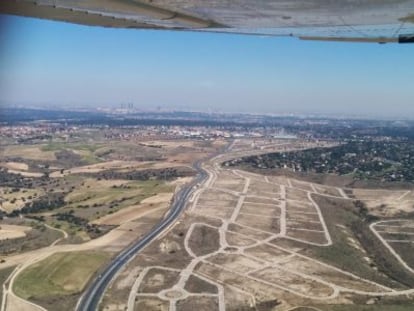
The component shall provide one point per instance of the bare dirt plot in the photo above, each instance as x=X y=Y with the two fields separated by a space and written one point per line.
x=267 y=252
x=405 y=250
x=198 y=303
x=212 y=195
x=15 y=166
x=280 y=180
x=301 y=216
x=294 y=282
x=151 y=303
x=260 y=210
x=327 y=190
x=400 y=236
x=377 y=195
x=309 y=236
x=197 y=286
x=296 y=194
x=389 y=208
x=221 y=209
x=261 y=292
x=394 y=229
x=409 y=196
x=236 y=263
x=263 y=187
x=255 y=199
x=297 y=206
x=12 y=232
x=233 y=185
x=328 y=274
x=238 y=240
x=249 y=232
x=158 y=279
x=301 y=185
x=303 y=224
x=271 y=225
x=25 y=174
x=204 y=240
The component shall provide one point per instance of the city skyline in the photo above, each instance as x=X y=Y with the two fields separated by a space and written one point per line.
x=59 y=64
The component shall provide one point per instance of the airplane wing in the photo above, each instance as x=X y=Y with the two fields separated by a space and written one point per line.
x=379 y=21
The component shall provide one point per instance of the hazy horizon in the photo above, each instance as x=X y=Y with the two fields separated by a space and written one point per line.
x=51 y=63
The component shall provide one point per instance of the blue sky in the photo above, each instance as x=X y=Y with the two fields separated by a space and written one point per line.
x=51 y=63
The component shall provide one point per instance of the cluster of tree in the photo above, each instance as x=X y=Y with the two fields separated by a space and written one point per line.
x=381 y=160
x=166 y=174
x=14 y=180
x=47 y=202
x=92 y=230
x=68 y=158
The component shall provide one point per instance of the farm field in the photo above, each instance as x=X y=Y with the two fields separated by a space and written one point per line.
x=59 y=275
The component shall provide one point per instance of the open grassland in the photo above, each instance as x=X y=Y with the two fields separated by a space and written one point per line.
x=28 y=152
x=355 y=248
x=58 y=277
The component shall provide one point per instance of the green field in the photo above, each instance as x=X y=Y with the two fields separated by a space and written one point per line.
x=61 y=274
x=4 y=274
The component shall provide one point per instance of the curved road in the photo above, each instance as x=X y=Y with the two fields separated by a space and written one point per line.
x=92 y=296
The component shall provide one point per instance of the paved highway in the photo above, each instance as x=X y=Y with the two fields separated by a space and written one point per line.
x=92 y=296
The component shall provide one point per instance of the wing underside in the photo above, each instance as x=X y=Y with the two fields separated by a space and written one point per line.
x=346 y=20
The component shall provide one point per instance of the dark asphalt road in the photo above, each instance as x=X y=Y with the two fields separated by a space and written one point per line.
x=92 y=296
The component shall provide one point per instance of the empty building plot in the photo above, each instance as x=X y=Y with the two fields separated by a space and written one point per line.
x=330 y=274
x=293 y=282
x=298 y=206
x=157 y=279
x=326 y=190
x=306 y=235
x=210 y=195
x=377 y=195
x=249 y=232
x=259 y=200
x=266 y=210
x=301 y=185
x=195 y=303
x=238 y=240
x=404 y=249
x=252 y=176
x=151 y=303
x=263 y=188
x=235 y=262
x=301 y=224
x=217 y=210
x=216 y=203
x=296 y=194
x=230 y=182
x=266 y=224
x=268 y=253
x=408 y=196
x=398 y=236
x=394 y=229
x=279 y=180
x=303 y=216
